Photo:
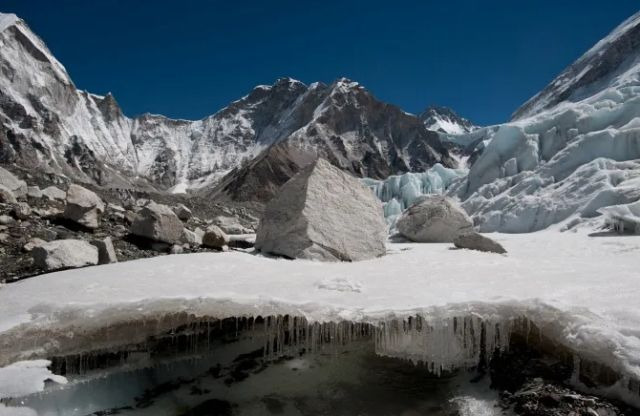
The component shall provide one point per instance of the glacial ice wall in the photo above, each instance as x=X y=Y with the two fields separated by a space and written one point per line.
x=398 y=192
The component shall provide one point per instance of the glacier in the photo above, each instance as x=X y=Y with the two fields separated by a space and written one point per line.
x=398 y=192
x=422 y=302
x=569 y=152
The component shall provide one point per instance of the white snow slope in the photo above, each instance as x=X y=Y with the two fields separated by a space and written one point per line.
x=567 y=161
x=580 y=291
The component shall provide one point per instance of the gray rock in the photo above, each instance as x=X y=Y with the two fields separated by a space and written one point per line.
x=231 y=225
x=6 y=220
x=31 y=244
x=21 y=211
x=83 y=207
x=182 y=212
x=476 y=241
x=159 y=223
x=176 y=249
x=433 y=219
x=15 y=185
x=214 y=237
x=325 y=214
x=34 y=192
x=106 y=252
x=7 y=196
x=54 y=194
x=192 y=238
x=63 y=254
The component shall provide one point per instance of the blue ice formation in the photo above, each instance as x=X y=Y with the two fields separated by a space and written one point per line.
x=398 y=192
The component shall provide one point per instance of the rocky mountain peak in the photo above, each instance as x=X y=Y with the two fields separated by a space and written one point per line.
x=445 y=120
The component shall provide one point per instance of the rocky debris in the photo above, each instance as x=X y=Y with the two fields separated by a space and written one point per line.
x=159 y=223
x=476 y=241
x=106 y=251
x=231 y=225
x=537 y=398
x=21 y=211
x=215 y=238
x=7 y=196
x=83 y=207
x=34 y=192
x=434 y=219
x=16 y=186
x=63 y=254
x=182 y=212
x=54 y=193
x=323 y=213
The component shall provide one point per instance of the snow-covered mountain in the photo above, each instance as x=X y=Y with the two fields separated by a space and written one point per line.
x=570 y=151
x=45 y=121
x=445 y=120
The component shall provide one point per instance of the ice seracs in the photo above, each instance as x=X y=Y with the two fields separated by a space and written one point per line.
x=570 y=151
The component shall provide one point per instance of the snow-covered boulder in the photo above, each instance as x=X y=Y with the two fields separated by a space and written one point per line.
x=322 y=213
x=106 y=252
x=54 y=194
x=15 y=185
x=157 y=222
x=434 y=219
x=6 y=195
x=214 y=237
x=182 y=212
x=63 y=254
x=83 y=206
x=476 y=241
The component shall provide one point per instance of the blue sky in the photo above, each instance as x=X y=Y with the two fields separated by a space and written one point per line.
x=188 y=59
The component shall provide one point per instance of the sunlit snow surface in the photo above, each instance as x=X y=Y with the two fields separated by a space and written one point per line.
x=582 y=291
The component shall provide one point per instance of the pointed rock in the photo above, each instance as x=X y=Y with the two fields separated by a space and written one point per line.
x=323 y=213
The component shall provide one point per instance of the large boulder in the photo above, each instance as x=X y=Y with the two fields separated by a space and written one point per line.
x=15 y=185
x=323 y=213
x=433 y=219
x=214 y=237
x=64 y=254
x=157 y=222
x=34 y=192
x=476 y=241
x=83 y=207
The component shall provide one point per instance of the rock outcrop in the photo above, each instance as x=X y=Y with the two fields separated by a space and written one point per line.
x=83 y=207
x=433 y=219
x=159 y=223
x=476 y=241
x=63 y=254
x=323 y=213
